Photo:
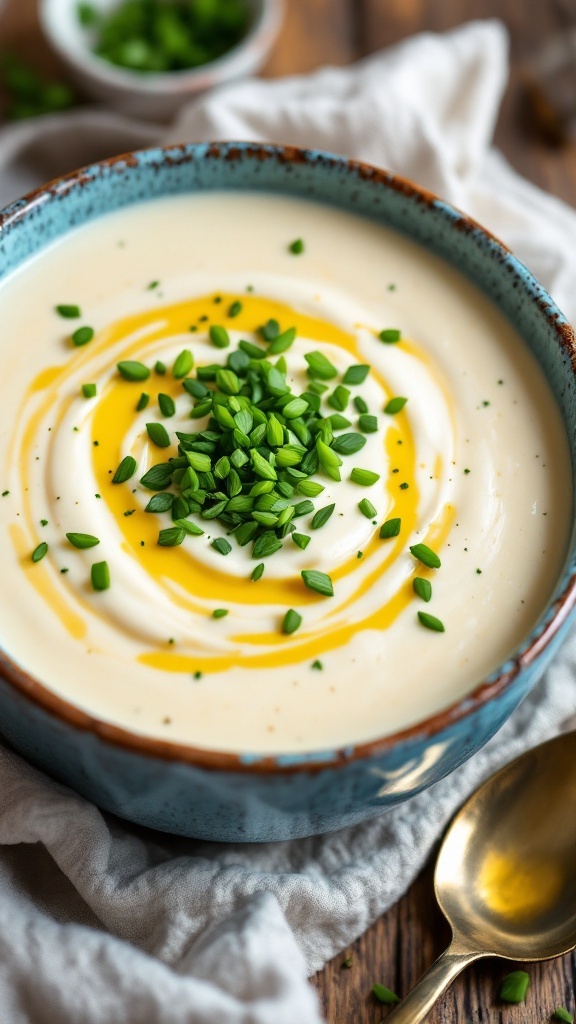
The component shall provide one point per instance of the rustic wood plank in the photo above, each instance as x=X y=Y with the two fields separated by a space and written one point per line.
x=314 y=32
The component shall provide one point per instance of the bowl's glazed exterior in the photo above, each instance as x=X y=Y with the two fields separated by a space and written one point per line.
x=217 y=795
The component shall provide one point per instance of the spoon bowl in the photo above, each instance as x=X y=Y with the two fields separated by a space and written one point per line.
x=506 y=873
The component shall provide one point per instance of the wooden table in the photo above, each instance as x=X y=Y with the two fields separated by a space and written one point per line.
x=402 y=944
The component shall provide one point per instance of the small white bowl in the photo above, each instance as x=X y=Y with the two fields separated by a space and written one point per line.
x=153 y=96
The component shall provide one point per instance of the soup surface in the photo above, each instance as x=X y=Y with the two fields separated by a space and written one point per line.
x=225 y=562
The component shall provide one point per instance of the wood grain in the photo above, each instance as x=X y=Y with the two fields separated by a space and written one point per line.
x=403 y=943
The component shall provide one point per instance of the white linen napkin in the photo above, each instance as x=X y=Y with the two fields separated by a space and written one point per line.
x=101 y=922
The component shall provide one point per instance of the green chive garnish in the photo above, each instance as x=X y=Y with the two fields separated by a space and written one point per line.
x=297 y=247
x=385 y=995
x=129 y=369
x=160 y=367
x=167 y=405
x=560 y=1013
x=390 y=335
x=158 y=477
x=100 y=576
x=360 y=404
x=348 y=444
x=219 y=336
x=257 y=572
x=339 y=398
x=142 y=402
x=39 y=552
x=301 y=540
x=125 y=470
x=368 y=424
x=235 y=309
x=82 y=540
x=356 y=374
x=82 y=336
x=189 y=527
x=322 y=516
x=425 y=555
x=320 y=366
x=318 y=581
x=171 y=537
x=310 y=488
x=367 y=508
x=158 y=434
x=364 y=477
x=89 y=390
x=422 y=587
x=219 y=613
x=69 y=312
x=183 y=364
x=514 y=987
x=391 y=528
x=395 y=405
x=270 y=330
x=160 y=503
x=431 y=622
x=266 y=544
x=317 y=665
x=292 y=621
x=222 y=546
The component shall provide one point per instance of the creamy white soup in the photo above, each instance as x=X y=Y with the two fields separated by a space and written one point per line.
x=275 y=479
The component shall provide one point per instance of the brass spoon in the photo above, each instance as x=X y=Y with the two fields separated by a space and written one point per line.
x=506 y=872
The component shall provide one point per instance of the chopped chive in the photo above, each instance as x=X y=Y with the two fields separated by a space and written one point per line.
x=44 y=522
x=131 y=370
x=183 y=364
x=560 y=1013
x=348 y=444
x=367 y=508
x=142 y=402
x=158 y=477
x=158 y=434
x=310 y=488
x=160 y=368
x=89 y=390
x=219 y=336
x=235 y=309
x=360 y=404
x=100 y=576
x=195 y=387
x=320 y=366
x=253 y=351
x=219 y=613
x=301 y=540
x=514 y=987
x=125 y=470
x=292 y=621
x=82 y=540
x=364 y=477
x=69 y=312
x=171 y=537
x=391 y=528
x=318 y=581
x=152 y=285
x=189 y=527
x=328 y=459
x=385 y=995
x=338 y=422
x=228 y=382
x=222 y=546
x=422 y=587
x=317 y=665
x=395 y=405
x=390 y=335
x=160 y=503
x=266 y=544
x=82 y=336
x=270 y=330
x=339 y=398
x=39 y=552
x=368 y=424
x=282 y=342
x=356 y=374
x=297 y=247
x=167 y=405
x=431 y=622
x=257 y=572
x=425 y=555
x=322 y=516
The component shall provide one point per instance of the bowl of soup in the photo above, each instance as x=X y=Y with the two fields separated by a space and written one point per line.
x=287 y=487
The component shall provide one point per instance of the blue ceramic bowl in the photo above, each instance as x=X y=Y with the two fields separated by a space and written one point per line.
x=222 y=796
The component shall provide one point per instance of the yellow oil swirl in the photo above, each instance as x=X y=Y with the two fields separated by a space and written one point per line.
x=174 y=569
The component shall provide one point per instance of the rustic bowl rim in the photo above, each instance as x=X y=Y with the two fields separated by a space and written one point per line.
x=552 y=617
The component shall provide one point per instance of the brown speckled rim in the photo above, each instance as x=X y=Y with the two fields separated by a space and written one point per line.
x=551 y=621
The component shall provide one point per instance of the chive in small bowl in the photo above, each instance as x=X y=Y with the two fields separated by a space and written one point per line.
x=146 y=58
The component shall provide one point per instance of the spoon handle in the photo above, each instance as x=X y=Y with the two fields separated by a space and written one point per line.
x=416 y=1006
